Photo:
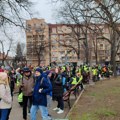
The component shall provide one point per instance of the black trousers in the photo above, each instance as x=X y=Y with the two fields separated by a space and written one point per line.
x=25 y=105
x=60 y=103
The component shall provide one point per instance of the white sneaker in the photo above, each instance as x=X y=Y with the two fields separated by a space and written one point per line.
x=56 y=109
x=60 y=111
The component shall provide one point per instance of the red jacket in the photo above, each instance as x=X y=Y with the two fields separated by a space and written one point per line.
x=1 y=70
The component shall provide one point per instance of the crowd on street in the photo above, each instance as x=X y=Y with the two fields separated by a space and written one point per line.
x=38 y=86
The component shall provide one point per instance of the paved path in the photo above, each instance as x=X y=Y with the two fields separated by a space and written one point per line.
x=16 y=113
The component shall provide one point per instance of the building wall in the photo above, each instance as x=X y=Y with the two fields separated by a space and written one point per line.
x=59 y=53
x=36 y=37
x=55 y=33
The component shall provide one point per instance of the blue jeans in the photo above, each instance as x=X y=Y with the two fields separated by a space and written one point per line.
x=4 y=114
x=43 y=110
x=49 y=100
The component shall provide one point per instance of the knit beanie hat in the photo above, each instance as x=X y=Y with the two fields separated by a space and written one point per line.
x=26 y=69
x=39 y=70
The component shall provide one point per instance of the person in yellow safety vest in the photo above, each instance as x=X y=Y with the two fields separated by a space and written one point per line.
x=63 y=68
x=74 y=80
x=79 y=80
x=78 y=70
x=19 y=78
x=94 y=74
x=49 y=67
x=86 y=69
x=20 y=99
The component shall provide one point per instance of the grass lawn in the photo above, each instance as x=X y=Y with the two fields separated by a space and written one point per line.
x=99 y=102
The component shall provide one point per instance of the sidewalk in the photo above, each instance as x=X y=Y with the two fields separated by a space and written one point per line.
x=16 y=113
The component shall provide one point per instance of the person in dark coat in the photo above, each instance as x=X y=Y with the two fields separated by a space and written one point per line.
x=26 y=85
x=41 y=88
x=58 y=90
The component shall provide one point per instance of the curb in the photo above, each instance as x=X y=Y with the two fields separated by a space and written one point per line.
x=75 y=103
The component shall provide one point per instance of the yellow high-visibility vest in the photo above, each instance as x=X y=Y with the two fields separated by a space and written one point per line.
x=18 y=81
x=74 y=82
x=20 y=97
x=80 y=79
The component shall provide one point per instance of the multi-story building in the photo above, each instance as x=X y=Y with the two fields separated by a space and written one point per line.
x=59 y=43
x=37 y=38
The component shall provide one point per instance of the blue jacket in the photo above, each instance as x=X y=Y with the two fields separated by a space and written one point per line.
x=46 y=75
x=41 y=83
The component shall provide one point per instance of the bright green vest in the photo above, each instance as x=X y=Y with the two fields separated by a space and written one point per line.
x=20 y=97
x=94 y=71
x=49 y=67
x=74 y=82
x=18 y=81
x=80 y=79
x=63 y=68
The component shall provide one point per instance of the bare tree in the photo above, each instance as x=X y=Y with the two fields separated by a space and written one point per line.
x=104 y=12
x=40 y=44
x=70 y=16
x=11 y=11
x=2 y=42
x=109 y=13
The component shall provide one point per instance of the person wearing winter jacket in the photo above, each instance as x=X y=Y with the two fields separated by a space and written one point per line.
x=49 y=94
x=41 y=88
x=27 y=84
x=5 y=96
x=58 y=90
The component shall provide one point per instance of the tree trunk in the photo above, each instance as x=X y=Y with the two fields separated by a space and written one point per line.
x=86 y=50
x=39 y=61
x=3 y=61
x=113 y=53
x=113 y=61
x=96 y=53
x=87 y=54
x=78 y=52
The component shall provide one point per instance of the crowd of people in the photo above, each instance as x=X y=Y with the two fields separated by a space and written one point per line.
x=39 y=85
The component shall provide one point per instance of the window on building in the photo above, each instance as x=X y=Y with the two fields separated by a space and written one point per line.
x=93 y=58
x=54 y=58
x=41 y=37
x=54 y=41
x=29 y=27
x=61 y=37
x=101 y=52
x=61 y=41
x=54 y=47
x=29 y=36
x=39 y=29
x=34 y=25
x=101 y=46
x=54 y=37
x=53 y=30
x=62 y=52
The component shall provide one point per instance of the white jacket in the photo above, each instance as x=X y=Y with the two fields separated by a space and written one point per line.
x=5 y=96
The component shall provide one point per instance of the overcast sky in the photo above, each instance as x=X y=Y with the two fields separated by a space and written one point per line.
x=40 y=9
x=44 y=9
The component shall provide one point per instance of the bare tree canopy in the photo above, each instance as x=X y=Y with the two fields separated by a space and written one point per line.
x=102 y=12
x=11 y=11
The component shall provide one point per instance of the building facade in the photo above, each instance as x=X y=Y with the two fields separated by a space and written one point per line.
x=64 y=43
x=37 y=39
